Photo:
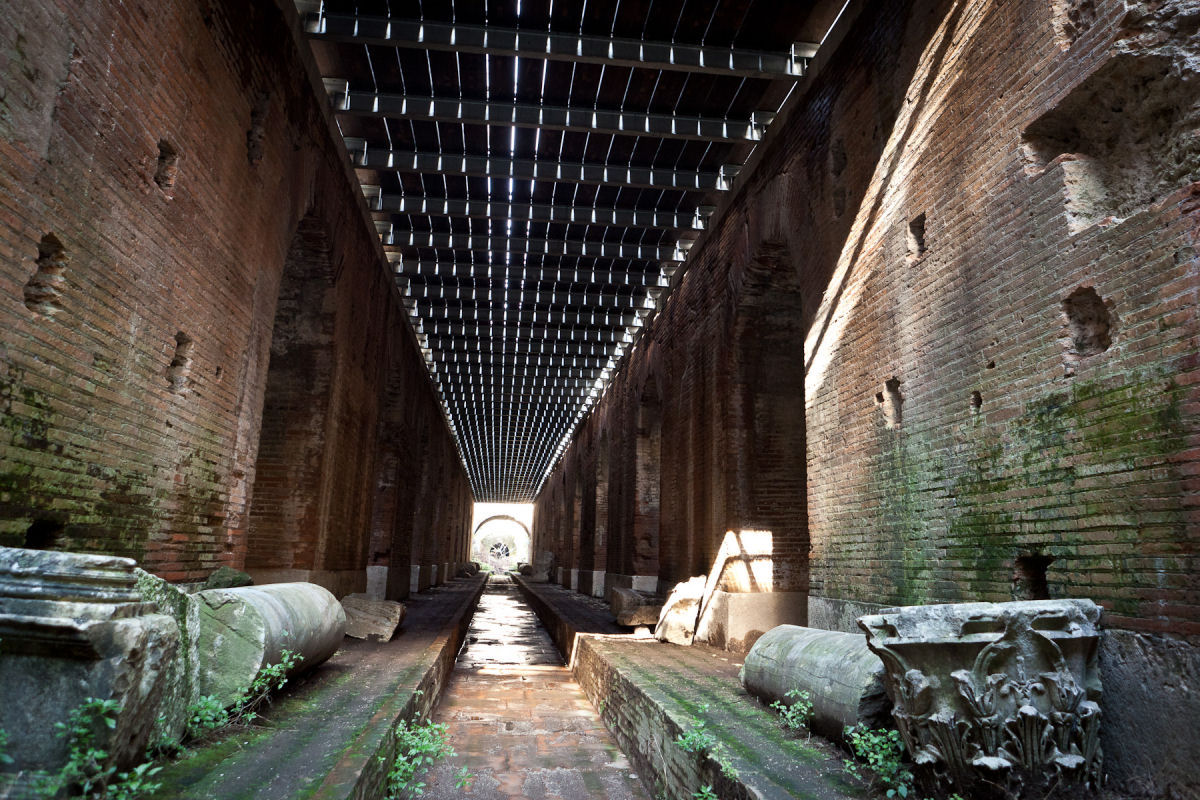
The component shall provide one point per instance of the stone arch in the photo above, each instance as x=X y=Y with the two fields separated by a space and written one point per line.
x=519 y=549
x=285 y=524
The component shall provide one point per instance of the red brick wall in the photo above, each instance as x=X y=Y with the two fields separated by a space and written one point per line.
x=167 y=152
x=959 y=115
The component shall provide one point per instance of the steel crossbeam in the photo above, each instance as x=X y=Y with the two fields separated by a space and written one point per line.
x=551 y=46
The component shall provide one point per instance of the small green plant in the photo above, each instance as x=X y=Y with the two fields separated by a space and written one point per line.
x=696 y=740
x=205 y=716
x=463 y=779
x=87 y=772
x=418 y=747
x=270 y=678
x=699 y=741
x=705 y=793
x=5 y=758
x=880 y=752
x=209 y=714
x=797 y=714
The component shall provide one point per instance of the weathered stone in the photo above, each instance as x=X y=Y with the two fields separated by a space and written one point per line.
x=740 y=599
x=1002 y=693
x=677 y=620
x=73 y=627
x=227 y=578
x=246 y=628
x=634 y=608
x=843 y=678
x=525 y=569
x=180 y=678
x=543 y=566
x=371 y=619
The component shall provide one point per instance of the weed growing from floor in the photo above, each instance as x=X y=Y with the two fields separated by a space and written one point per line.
x=705 y=793
x=796 y=715
x=87 y=773
x=208 y=714
x=699 y=741
x=418 y=747
x=880 y=752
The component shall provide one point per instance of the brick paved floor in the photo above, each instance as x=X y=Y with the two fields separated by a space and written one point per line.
x=519 y=722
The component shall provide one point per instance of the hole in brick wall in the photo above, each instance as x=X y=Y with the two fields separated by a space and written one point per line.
x=43 y=292
x=168 y=166
x=43 y=534
x=991 y=365
x=976 y=401
x=1072 y=18
x=1125 y=137
x=916 y=237
x=890 y=401
x=257 y=131
x=181 y=363
x=218 y=373
x=1029 y=577
x=1090 y=322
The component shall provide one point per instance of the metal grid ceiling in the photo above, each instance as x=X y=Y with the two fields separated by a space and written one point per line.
x=538 y=170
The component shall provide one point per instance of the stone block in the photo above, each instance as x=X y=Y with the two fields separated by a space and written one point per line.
x=843 y=678
x=227 y=578
x=74 y=627
x=244 y=629
x=371 y=619
x=180 y=679
x=543 y=566
x=677 y=620
x=377 y=581
x=634 y=608
x=995 y=694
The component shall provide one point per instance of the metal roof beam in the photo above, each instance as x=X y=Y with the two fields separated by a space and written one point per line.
x=436 y=310
x=552 y=247
x=705 y=59
x=369 y=157
x=529 y=212
x=568 y=362
x=532 y=293
x=528 y=115
x=552 y=333
x=443 y=270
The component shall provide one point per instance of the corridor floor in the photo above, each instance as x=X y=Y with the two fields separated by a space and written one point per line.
x=520 y=724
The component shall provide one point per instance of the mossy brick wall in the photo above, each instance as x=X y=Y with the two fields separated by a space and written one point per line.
x=156 y=161
x=950 y=178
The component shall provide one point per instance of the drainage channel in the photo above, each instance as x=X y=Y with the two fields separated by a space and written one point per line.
x=520 y=724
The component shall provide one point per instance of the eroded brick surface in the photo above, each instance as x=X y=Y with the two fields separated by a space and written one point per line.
x=189 y=283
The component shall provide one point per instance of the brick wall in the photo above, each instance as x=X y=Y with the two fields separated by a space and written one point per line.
x=980 y=220
x=183 y=267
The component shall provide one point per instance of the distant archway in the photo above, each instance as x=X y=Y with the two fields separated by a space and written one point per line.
x=501 y=541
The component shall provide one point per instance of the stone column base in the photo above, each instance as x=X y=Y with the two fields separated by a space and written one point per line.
x=734 y=620
x=647 y=584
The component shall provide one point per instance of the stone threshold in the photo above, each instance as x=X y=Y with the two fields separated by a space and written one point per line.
x=324 y=736
x=648 y=693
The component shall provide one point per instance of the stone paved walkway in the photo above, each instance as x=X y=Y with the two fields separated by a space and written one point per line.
x=519 y=722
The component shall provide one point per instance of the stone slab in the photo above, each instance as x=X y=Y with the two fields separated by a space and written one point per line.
x=326 y=735
x=634 y=608
x=677 y=620
x=647 y=693
x=371 y=619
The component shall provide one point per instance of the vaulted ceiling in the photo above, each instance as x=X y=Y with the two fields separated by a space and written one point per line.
x=538 y=170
